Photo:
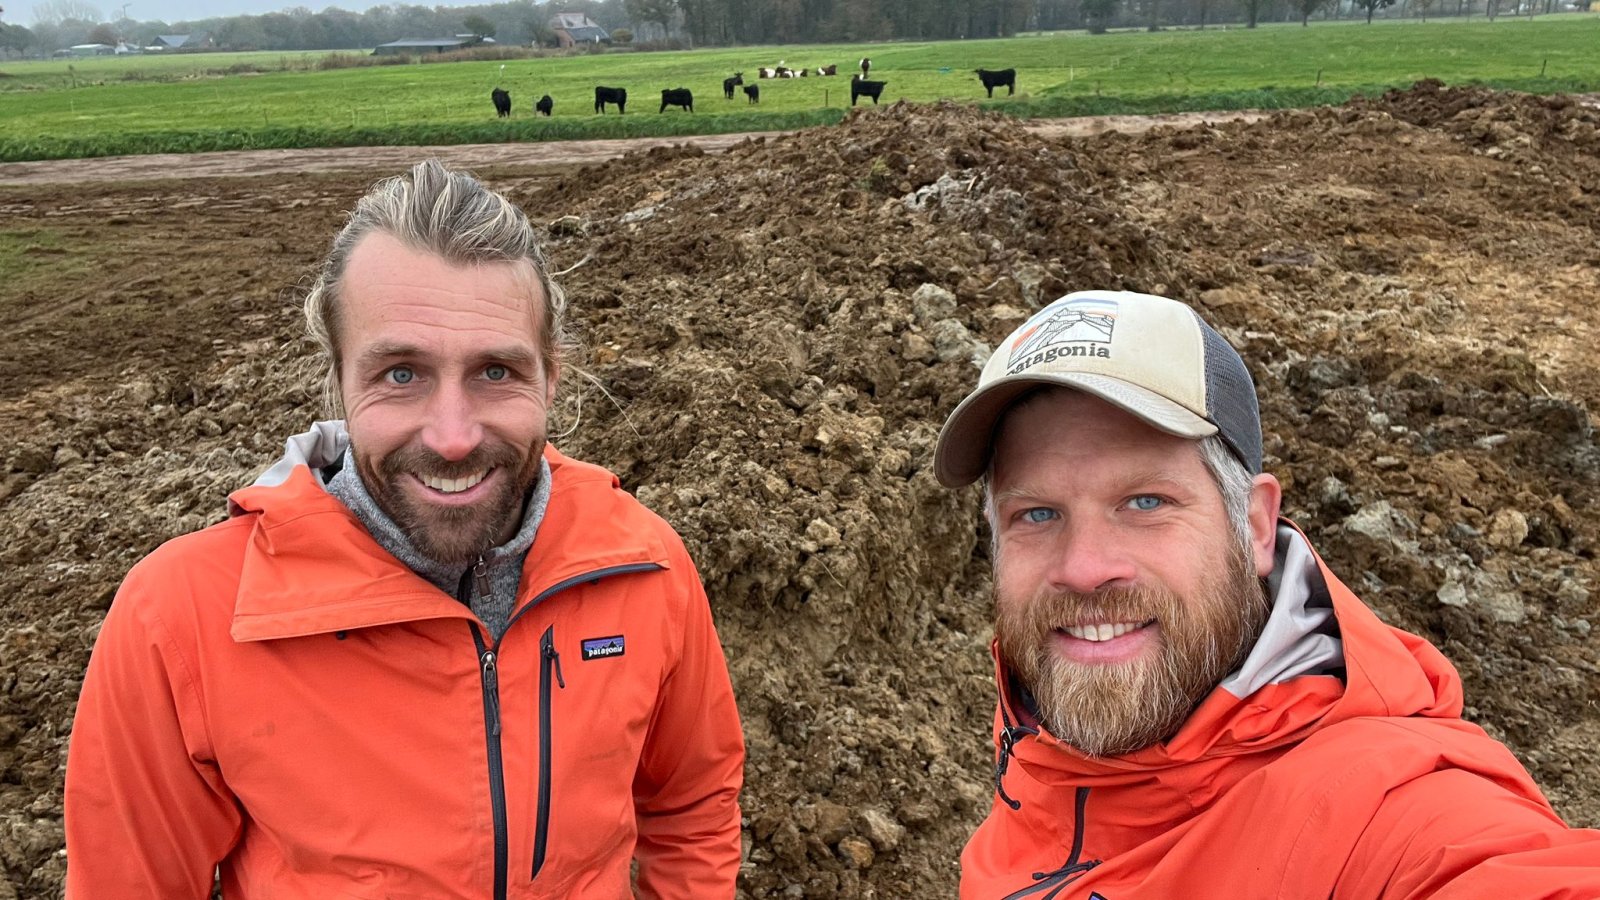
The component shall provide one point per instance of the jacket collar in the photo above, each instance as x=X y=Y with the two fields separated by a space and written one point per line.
x=1306 y=672
x=310 y=567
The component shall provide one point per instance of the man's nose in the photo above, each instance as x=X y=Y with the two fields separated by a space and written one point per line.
x=1091 y=556
x=453 y=428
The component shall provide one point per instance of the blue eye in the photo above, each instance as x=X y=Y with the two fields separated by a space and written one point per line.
x=1038 y=514
x=400 y=375
x=1145 y=502
x=496 y=373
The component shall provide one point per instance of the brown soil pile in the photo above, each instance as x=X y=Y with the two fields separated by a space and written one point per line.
x=774 y=336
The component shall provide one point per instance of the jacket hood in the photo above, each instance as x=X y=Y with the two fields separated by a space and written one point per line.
x=311 y=567
x=1323 y=658
x=317 y=448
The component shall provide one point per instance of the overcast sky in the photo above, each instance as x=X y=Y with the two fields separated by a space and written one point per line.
x=189 y=10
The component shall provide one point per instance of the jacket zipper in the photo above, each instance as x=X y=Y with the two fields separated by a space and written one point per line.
x=489 y=670
x=1056 y=881
x=476 y=578
x=489 y=673
x=549 y=660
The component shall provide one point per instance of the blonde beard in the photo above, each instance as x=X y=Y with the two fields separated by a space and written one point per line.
x=1116 y=708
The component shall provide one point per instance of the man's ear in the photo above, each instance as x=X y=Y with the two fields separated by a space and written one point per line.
x=1266 y=497
x=552 y=375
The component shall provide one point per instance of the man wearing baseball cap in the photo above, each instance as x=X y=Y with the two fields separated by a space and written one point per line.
x=1192 y=705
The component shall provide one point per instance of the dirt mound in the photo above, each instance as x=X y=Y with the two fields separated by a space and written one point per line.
x=774 y=336
x=1497 y=124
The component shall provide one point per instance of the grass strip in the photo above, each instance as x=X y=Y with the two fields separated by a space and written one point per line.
x=432 y=134
x=1047 y=105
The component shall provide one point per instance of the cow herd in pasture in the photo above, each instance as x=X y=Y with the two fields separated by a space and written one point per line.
x=782 y=71
x=617 y=96
x=682 y=98
x=998 y=77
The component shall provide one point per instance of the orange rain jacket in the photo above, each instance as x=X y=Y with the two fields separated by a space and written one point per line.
x=278 y=695
x=1367 y=787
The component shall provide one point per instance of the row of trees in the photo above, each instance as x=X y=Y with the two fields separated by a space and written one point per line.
x=62 y=23
x=1101 y=15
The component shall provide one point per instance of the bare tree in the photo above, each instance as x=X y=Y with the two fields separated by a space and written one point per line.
x=1152 y=15
x=54 y=12
x=1098 y=14
x=15 y=39
x=1305 y=8
x=657 y=12
x=1372 y=6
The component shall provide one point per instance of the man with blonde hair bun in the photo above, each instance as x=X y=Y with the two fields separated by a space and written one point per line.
x=427 y=655
x=1192 y=705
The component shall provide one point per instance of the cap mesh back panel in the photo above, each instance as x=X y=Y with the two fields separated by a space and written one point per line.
x=1231 y=398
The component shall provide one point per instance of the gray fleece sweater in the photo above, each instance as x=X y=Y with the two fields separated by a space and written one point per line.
x=325 y=445
x=504 y=563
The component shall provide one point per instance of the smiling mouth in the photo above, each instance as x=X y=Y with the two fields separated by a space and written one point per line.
x=1103 y=631
x=454 y=485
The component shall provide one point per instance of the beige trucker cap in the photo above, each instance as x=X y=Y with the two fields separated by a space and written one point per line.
x=1151 y=356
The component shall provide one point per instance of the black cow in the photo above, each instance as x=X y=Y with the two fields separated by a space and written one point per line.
x=860 y=87
x=998 y=77
x=502 y=102
x=829 y=70
x=753 y=91
x=679 y=97
x=866 y=66
x=544 y=105
x=604 y=95
x=728 y=84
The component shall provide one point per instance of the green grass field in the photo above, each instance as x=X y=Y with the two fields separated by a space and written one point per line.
x=46 y=252
x=109 y=106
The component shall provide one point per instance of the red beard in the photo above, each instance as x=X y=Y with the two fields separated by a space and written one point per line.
x=1114 y=708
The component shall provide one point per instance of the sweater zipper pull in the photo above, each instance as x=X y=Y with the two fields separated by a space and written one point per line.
x=480 y=578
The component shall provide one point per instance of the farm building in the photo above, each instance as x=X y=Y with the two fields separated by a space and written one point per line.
x=90 y=50
x=428 y=45
x=196 y=41
x=572 y=29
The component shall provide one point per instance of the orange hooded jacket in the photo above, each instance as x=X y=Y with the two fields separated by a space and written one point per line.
x=1355 y=779
x=279 y=696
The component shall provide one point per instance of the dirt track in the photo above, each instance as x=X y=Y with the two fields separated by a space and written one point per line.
x=782 y=326
x=550 y=155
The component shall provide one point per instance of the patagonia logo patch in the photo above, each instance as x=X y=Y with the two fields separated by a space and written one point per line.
x=602 y=647
x=1080 y=327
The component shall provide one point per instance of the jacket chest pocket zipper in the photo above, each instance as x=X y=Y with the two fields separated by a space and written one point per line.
x=549 y=673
